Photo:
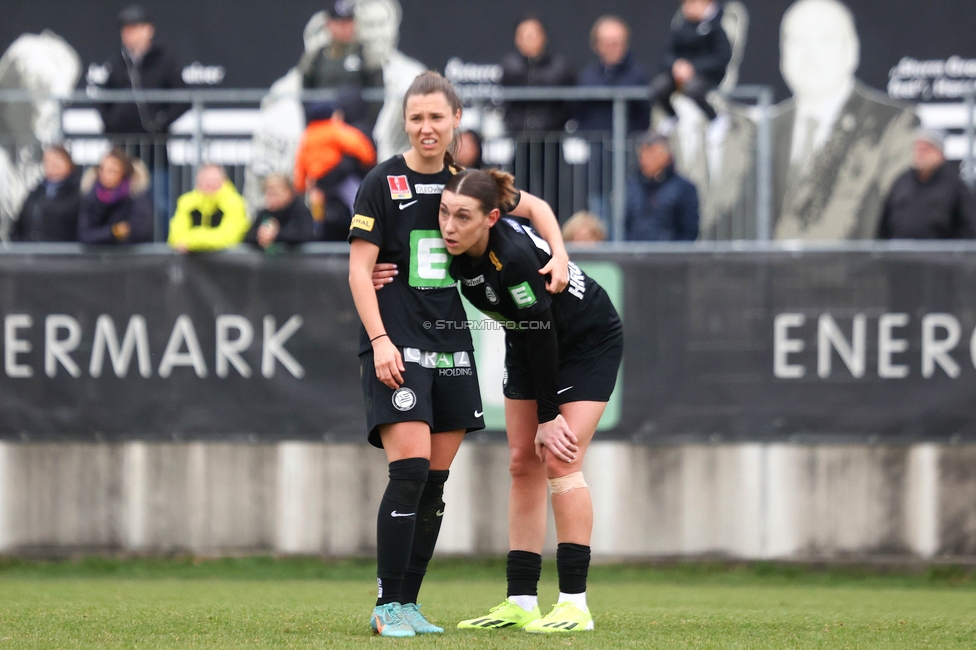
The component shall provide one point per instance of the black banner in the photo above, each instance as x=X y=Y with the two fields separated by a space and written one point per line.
x=801 y=346
x=720 y=346
x=169 y=347
x=253 y=42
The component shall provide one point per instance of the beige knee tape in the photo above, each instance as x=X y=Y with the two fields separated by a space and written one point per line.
x=564 y=484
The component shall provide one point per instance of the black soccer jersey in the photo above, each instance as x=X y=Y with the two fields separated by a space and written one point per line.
x=505 y=284
x=397 y=209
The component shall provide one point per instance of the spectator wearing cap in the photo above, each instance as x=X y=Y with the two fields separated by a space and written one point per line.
x=340 y=63
x=661 y=205
x=929 y=201
x=330 y=154
x=144 y=64
x=141 y=64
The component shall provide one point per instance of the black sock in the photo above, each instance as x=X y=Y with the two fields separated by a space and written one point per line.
x=430 y=514
x=572 y=565
x=523 y=570
x=395 y=525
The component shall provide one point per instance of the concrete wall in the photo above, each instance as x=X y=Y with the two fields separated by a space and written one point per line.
x=744 y=501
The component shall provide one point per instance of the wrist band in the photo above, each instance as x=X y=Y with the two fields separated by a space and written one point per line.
x=378 y=337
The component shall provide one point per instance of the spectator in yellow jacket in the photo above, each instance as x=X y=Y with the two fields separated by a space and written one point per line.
x=210 y=218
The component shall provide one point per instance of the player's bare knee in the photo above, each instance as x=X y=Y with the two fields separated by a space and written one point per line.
x=523 y=462
x=567 y=483
x=556 y=468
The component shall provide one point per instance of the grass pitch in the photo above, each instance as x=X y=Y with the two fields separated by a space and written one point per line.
x=265 y=603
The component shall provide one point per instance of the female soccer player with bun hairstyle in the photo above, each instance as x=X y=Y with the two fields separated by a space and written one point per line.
x=561 y=361
x=418 y=374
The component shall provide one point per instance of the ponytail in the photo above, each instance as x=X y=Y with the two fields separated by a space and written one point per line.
x=428 y=83
x=492 y=188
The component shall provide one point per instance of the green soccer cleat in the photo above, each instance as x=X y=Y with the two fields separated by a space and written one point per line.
x=505 y=615
x=411 y=614
x=387 y=620
x=564 y=617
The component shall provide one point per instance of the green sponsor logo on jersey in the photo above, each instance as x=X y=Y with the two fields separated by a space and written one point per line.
x=522 y=295
x=429 y=260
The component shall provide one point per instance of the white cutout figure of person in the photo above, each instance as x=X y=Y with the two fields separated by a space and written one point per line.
x=378 y=27
x=838 y=145
x=46 y=64
x=719 y=158
x=282 y=119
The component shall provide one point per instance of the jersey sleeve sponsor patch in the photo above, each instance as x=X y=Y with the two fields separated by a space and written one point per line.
x=399 y=188
x=363 y=223
x=522 y=295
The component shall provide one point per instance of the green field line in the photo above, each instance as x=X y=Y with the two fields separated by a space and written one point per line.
x=303 y=568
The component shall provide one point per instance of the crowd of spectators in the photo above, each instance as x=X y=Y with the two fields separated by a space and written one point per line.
x=114 y=203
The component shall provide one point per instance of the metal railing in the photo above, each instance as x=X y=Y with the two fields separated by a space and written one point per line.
x=610 y=183
x=968 y=171
x=606 y=181
x=937 y=248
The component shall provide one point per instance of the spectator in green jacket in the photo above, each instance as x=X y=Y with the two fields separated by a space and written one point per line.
x=210 y=218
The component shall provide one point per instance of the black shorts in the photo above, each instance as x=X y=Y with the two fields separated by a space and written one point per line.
x=439 y=388
x=587 y=369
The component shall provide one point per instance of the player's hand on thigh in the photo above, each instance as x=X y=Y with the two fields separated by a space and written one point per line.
x=388 y=363
x=383 y=274
x=556 y=437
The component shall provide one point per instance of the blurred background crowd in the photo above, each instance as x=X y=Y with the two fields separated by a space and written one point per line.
x=838 y=161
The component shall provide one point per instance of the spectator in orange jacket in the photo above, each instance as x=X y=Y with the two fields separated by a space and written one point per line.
x=332 y=158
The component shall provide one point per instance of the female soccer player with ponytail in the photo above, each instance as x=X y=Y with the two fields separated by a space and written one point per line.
x=561 y=361
x=415 y=411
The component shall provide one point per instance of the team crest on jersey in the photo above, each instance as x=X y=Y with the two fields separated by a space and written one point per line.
x=399 y=188
x=404 y=399
x=491 y=295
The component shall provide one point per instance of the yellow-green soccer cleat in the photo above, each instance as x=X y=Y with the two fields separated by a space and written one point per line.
x=564 y=617
x=505 y=615
x=387 y=620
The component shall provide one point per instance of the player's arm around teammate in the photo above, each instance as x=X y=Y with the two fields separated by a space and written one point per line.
x=543 y=219
x=561 y=361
